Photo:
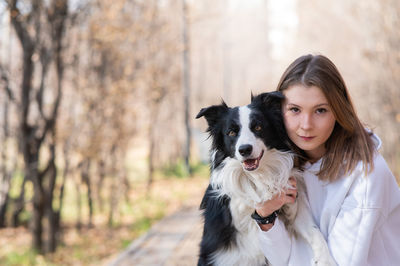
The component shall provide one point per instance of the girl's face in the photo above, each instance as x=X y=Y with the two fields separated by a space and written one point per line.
x=309 y=119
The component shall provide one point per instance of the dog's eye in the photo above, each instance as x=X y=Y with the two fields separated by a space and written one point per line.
x=257 y=128
x=232 y=133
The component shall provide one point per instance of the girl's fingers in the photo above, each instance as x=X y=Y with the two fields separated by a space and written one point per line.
x=292 y=182
x=290 y=199
x=291 y=195
x=291 y=191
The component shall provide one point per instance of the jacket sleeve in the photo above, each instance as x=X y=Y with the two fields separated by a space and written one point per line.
x=350 y=238
x=276 y=244
x=364 y=210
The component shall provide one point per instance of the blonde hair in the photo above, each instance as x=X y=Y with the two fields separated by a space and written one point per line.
x=349 y=142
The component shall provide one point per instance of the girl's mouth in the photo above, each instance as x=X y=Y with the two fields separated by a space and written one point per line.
x=306 y=138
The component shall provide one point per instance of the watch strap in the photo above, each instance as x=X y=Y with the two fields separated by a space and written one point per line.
x=264 y=220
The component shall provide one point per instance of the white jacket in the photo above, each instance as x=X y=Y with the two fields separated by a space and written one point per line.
x=359 y=215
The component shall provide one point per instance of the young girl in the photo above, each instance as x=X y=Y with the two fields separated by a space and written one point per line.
x=353 y=196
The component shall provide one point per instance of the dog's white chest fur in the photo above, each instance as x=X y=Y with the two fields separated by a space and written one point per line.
x=247 y=250
x=254 y=187
x=248 y=189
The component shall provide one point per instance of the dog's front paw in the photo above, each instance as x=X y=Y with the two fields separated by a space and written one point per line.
x=323 y=261
x=322 y=255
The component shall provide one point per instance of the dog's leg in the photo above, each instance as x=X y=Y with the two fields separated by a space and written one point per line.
x=304 y=225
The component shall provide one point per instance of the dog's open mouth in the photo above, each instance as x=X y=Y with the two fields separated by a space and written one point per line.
x=252 y=164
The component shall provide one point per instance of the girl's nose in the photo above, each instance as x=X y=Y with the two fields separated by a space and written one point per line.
x=306 y=121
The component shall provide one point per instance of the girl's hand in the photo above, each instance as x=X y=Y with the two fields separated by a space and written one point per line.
x=274 y=204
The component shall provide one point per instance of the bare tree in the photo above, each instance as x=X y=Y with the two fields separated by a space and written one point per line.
x=5 y=171
x=30 y=28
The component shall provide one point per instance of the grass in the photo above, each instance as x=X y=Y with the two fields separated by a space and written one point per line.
x=99 y=244
x=26 y=257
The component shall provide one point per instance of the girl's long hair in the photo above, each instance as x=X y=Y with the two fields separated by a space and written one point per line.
x=349 y=142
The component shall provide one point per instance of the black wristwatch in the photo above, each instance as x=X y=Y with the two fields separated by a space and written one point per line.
x=270 y=219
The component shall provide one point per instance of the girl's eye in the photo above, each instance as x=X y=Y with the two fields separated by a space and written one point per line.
x=294 y=110
x=257 y=128
x=321 y=110
x=232 y=133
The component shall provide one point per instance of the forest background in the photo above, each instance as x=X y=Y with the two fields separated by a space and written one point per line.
x=97 y=103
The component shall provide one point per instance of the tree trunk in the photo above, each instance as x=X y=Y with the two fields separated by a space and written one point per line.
x=37 y=226
x=28 y=141
x=38 y=202
x=57 y=218
x=151 y=156
x=78 y=205
x=6 y=175
x=51 y=214
x=3 y=210
x=127 y=184
x=186 y=84
x=54 y=230
x=113 y=196
x=64 y=177
x=19 y=205
x=86 y=179
x=101 y=167
x=57 y=19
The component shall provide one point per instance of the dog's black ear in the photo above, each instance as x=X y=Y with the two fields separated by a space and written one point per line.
x=213 y=113
x=272 y=99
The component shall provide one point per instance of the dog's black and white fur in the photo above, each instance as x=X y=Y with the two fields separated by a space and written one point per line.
x=250 y=163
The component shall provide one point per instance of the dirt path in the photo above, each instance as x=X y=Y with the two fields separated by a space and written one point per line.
x=172 y=241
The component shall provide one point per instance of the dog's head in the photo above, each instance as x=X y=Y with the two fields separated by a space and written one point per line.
x=245 y=133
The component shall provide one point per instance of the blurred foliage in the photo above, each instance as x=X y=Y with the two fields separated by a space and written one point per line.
x=178 y=169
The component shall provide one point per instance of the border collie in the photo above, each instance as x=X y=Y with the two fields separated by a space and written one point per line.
x=250 y=163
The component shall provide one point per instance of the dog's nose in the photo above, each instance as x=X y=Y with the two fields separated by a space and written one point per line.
x=245 y=150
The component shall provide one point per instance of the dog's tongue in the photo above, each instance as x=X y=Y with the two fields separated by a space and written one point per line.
x=250 y=164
